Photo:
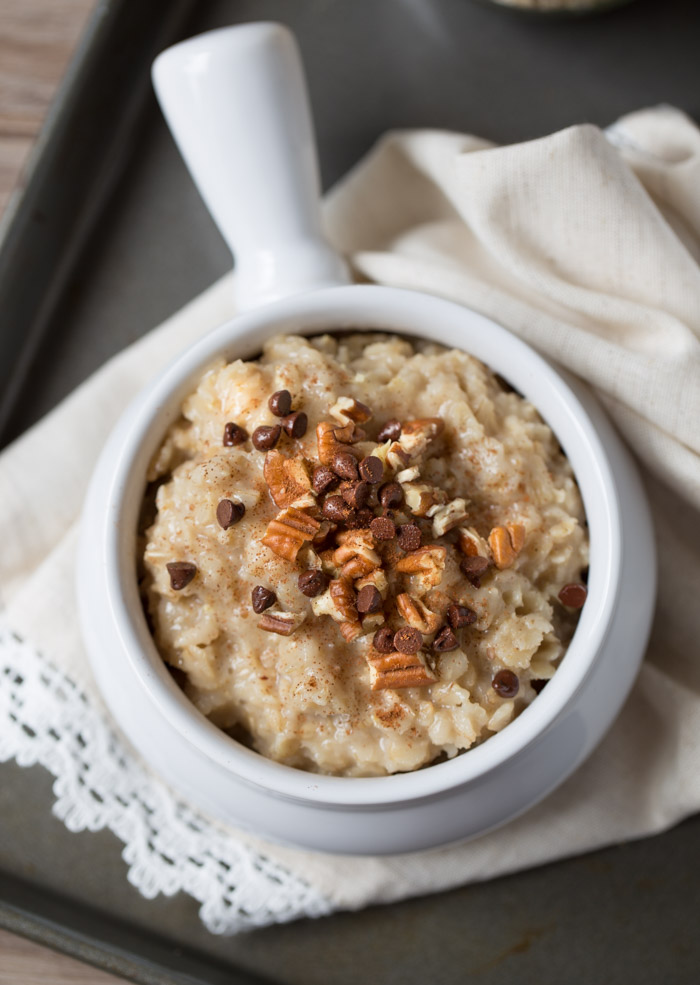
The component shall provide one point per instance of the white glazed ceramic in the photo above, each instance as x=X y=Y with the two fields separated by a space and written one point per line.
x=236 y=103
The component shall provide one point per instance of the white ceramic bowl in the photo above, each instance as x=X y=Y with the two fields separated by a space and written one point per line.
x=454 y=800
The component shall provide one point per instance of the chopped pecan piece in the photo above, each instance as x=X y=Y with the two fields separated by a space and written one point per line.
x=347 y=409
x=355 y=556
x=328 y=444
x=396 y=456
x=288 y=531
x=343 y=596
x=417 y=614
x=350 y=434
x=408 y=475
x=516 y=532
x=421 y=497
x=473 y=544
x=417 y=435
x=449 y=516
x=373 y=621
x=350 y=630
x=395 y=670
x=506 y=543
x=282 y=623
x=287 y=480
x=427 y=562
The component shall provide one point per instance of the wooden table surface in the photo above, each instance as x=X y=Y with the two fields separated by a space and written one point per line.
x=37 y=38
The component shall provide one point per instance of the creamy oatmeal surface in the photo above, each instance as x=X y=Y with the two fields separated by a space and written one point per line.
x=381 y=572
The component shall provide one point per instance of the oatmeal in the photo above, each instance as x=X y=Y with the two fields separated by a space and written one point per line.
x=367 y=552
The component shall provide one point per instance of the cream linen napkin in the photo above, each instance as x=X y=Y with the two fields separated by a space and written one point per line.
x=587 y=246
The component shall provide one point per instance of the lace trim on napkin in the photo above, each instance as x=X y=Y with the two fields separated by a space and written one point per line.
x=47 y=720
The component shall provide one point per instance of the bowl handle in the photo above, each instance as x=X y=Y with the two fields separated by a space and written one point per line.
x=236 y=103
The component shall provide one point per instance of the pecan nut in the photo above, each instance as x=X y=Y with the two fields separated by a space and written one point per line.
x=355 y=556
x=350 y=630
x=421 y=497
x=417 y=614
x=282 y=623
x=289 y=531
x=417 y=435
x=347 y=409
x=328 y=444
x=449 y=516
x=288 y=481
x=506 y=543
x=473 y=544
x=396 y=670
x=343 y=596
x=428 y=563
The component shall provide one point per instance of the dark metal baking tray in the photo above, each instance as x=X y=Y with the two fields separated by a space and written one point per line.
x=109 y=239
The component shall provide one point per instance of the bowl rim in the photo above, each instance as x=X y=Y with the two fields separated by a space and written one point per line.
x=404 y=312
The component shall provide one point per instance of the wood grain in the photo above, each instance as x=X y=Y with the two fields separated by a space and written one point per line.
x=25 y=963
x=37 y=38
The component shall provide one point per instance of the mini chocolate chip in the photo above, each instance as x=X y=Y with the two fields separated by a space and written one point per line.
x=360 y=519
x=296 y=424
x=409 y=537
x=228 y=513
x=369 y=599
x=371 y=469
x=266 y=436
x=445 y=640
x=473 y=568
x=357 y=495
x=383 y=640
x=323 y=479
x=584 y=576
x=234 y=435
x=391 y=495
x=181 y=573
x=312 y=583
x=280 y=403
x=383 y=528
x=573 y=595
x=391 y=431
x=407 y=640
x=345 y=465
x=262 y=598
x=460 y=615
x=505 y=683
x=538 y=685
x=336 y=509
